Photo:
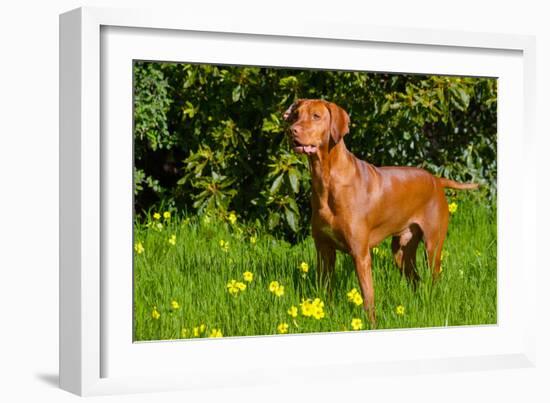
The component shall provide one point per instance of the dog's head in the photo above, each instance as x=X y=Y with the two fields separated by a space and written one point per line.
x=315 y=123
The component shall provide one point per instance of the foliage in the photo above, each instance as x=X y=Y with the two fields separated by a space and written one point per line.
x=211 y=138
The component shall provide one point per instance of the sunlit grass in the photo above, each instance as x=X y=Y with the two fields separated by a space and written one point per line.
x=198 y=277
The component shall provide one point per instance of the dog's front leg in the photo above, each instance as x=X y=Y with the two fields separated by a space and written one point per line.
x=326 y=258
x=363 y=267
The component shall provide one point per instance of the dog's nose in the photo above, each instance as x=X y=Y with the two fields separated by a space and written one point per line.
x=294 y=130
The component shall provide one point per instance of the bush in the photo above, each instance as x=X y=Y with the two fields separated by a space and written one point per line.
x=211 y=139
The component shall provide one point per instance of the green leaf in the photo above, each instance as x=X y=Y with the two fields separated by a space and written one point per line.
x=385 y=107
x=293 y=206
x=464 y=97
x=291 y=219
x=271 y=124
x=440 y=95
x=288 y=82
x=294 y=183
x=276 y=184
x=273 y=220
x=236 y=94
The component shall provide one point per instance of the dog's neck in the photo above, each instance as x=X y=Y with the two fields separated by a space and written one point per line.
x=330 y=160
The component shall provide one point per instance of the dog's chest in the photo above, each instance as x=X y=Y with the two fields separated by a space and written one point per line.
x=325 y=224
x=333 y=235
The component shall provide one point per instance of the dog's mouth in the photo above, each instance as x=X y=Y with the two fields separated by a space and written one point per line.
x=304 y=148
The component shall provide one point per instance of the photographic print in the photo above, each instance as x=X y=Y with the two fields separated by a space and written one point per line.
x=280 y=201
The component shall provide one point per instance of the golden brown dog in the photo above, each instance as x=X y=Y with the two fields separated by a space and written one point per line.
x=356 y=205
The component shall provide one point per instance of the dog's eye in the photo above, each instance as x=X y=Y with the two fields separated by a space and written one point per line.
x=316 y=116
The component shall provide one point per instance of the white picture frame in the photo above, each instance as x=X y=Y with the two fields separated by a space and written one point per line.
x=97 y=357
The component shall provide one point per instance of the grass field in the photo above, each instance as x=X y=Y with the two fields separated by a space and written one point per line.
x=183 y=266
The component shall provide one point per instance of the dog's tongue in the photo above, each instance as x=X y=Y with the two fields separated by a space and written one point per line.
x=305 y=149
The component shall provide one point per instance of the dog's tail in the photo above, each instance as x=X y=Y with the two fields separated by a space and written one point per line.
x=448 y=183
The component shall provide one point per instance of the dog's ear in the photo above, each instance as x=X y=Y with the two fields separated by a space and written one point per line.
x=339 y=122
x=288 y=113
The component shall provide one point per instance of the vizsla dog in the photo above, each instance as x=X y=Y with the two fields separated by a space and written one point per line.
x=356 y=205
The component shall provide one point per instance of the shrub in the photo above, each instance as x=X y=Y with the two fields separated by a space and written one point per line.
x=211 y=139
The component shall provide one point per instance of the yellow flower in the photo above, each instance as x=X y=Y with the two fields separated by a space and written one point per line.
x=318 y=312
x=400 y=310
x=158 y=226
x=356 y=324
x=234 y=287
x=477 y=253
x=232 y=218
x=138 y=247
x=453 y=207
x=155 y=314
x=253 y=239
x=184 y=332
x=199 y=330
x=306 y=307
x=282 y=328
x=355 y=297
x=172 y=240
x=304 y=267
x=273 y=286
x=248 y=276
x=375 y=251
x=351 y=293
x=293 y=311
x=279 y=291
x=156 y=216
x=276 y=288
x=216 y=333
x=166 y=215
x=174 y=304
x=313 y=308
x=224 y=245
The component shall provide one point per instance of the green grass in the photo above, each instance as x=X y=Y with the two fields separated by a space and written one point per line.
x=195 y=271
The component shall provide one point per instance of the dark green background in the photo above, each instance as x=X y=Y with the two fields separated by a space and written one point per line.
x=210 y=139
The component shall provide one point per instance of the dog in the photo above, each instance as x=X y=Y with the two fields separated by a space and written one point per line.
x=356 y=205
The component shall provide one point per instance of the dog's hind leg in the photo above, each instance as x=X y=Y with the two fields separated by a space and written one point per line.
x=404 y=248
x=435 y=231
x=397 y=251
x=434 y=245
